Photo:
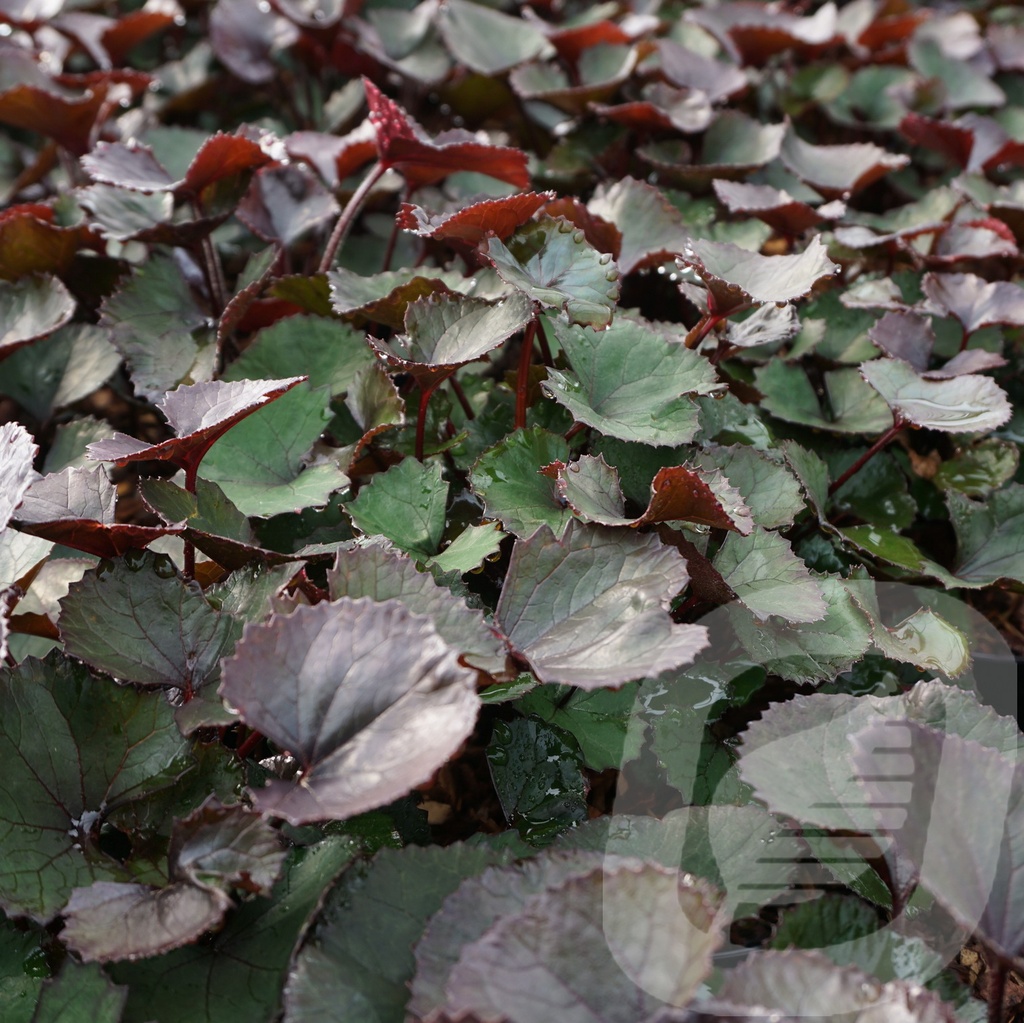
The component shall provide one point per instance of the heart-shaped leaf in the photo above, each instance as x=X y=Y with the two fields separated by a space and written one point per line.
x=652 y=228
x=403 y=145
x=551 y=261
x=75 y=748
x=964 y=404
x=383 y=576
x=346 y=687
x=31 y=308
x=648 y=931
x=629 y=382
x=560 y=594
x=498 y=217
x=76 y=507
x=137 y=620
x=200 y=414
x=838 y=171
x=736 y=277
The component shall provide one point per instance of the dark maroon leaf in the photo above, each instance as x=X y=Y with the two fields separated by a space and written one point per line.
x=663 y=108
x=905 y=335
x=246 y=35
x=131 y=29
x=975 y=302
x=66 y=109
x=973 y=142
x=688 y=69
x=366 y=696
x=284 y=203
x=498 y=217
x=334 y=158
x=17 y=452
x=31 y=243
x=571 y=40
x=838 y=171
x=775 y=206
x=403 y=145
x=200 y=414
x=76 y=507
x=754 y=32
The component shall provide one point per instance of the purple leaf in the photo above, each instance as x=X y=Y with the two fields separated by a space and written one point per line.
x=285 y=203
x=497 y=217
x=17 y=452
x=246 y=36
x=975 y=302
x=905 y=335
x=366 y=696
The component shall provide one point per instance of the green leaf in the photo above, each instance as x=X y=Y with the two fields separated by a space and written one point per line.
x=599 y=721
x=22 y=966
x=60 y=369
x=79 y=992
x=384 y=297
x=71 y=440
x=629 y=382
x=357 y=962
x=990 y=536
x=330 y=353
x=259 y=463
x=74 y=748
x=31 y=308
x=237 y=976
x=138 y=620
x=877 y=492
x=407 y=505
x=851 y=405
x=978 y=470
x=537 y=773
x=551 y=261
x=591 y=609
x=383 y=575
x=764 y=481
x=159 y=328
x=894 y=549
x=762 y=570
x=508 y=477
x=488 y=41
x=814 y=651
x=473 y=546
x=965 y=404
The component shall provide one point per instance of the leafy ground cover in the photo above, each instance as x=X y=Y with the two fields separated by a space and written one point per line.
x=510 y=513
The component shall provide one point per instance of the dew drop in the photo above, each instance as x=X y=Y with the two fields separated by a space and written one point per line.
x=5 y=30
x=612 y=294
x=458 y=121
x=661 y=270
x=611 y=275
x=179 y=20
x=781 y=305
x=732 y=287
x=604 y=258
x=319 y=15
x=263 y=7
x=578 y=237
x=444 y=109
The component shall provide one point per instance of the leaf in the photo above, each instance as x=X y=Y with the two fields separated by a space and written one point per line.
x=384 y=297
x=284 y=204
x=17 y=452
x=591 y=487
x=200 y=414
x=600 y=70
x=508 y=477
x=852 y=406
x=837 y=172
x=551 y=261
x=31 y=308
x=629 y=382
x=689 y=69
x=646 y=933
x=407 y=505
x=498 y=217
x=797 y=755
x=260 y=464
x=473 y=546
x=807 y=652
x=598 y=720
x=347 y=687
x=358 y=958
x=559 y=595
x=762 y=570
x=798 y=984
x=965 y=404
x=775 y=206
x=751 y=35
x=19 y=981
x=652 y=228
x=447 y=331
x=74 y=747
x=137 y=620
x=989 y=546
x=487 y=41
x=975 y=302
x=159 y=328
x=384 y=576
x=979 y=470
x=765 y=484
x=403 y=145
x=80 y=992
x=237 y=976
x=905 y=335
x=736 y=277
x=59 y=370
x=76 y=507
x=661 y=107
